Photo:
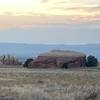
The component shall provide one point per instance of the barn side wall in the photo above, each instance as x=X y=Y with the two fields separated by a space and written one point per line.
x=57 y=62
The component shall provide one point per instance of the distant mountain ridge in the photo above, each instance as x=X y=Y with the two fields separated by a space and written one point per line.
x=23 y=51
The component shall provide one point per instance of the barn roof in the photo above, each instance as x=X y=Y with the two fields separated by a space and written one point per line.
x=63 y=53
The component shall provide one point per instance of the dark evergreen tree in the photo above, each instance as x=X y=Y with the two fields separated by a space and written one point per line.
x=91 y=61
x=27 y=62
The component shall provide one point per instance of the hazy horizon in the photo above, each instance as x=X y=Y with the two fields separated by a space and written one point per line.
x=24 y=51
x=49 y=43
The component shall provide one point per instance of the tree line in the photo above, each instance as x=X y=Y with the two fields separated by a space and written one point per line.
x=9 y=60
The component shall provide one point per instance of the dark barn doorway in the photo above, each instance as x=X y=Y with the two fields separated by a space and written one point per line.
x=65 y=65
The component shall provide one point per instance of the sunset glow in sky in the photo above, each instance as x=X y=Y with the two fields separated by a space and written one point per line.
x=47 y=11
x=27 y=14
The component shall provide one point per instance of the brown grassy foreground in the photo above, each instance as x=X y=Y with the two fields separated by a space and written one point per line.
x=47 y=84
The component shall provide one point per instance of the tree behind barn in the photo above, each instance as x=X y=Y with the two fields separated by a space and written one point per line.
x=92 y=61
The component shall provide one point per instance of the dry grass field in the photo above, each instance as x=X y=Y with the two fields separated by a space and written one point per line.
x=48 y=84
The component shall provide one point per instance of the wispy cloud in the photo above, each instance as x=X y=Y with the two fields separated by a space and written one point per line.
x=28 y=22
x=50 y=12
x=44 y=1
x=79 y=7
x=5 y=26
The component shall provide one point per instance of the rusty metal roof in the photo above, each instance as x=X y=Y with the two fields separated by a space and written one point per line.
x=62 y=53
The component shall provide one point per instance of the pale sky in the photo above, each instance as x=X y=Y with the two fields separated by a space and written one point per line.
x=50 y=21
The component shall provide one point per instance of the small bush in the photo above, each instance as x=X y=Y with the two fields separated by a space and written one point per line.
x=27 y=62
x=91 y=61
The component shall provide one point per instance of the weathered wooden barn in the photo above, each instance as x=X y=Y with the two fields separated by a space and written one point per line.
x=59 y=58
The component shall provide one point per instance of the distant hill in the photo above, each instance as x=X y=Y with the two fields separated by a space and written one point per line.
x=23 y=51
